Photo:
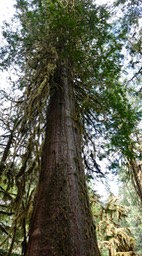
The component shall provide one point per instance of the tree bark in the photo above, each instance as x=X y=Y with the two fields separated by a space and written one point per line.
x=62 y=223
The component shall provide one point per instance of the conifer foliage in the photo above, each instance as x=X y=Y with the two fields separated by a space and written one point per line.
x=115 y=239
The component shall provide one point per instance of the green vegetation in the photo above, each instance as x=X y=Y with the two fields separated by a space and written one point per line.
x=134 y=218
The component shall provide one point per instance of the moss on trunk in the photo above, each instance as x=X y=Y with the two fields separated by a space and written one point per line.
x=62 y=222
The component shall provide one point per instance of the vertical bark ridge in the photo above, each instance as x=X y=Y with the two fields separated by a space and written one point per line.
x=62 y=223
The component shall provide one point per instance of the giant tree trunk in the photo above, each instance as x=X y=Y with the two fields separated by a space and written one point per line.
x=62 y=223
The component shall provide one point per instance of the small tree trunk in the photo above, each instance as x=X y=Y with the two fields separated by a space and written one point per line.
x=62 y=222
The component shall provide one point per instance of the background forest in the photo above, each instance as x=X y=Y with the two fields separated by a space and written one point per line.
x=74 y=64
